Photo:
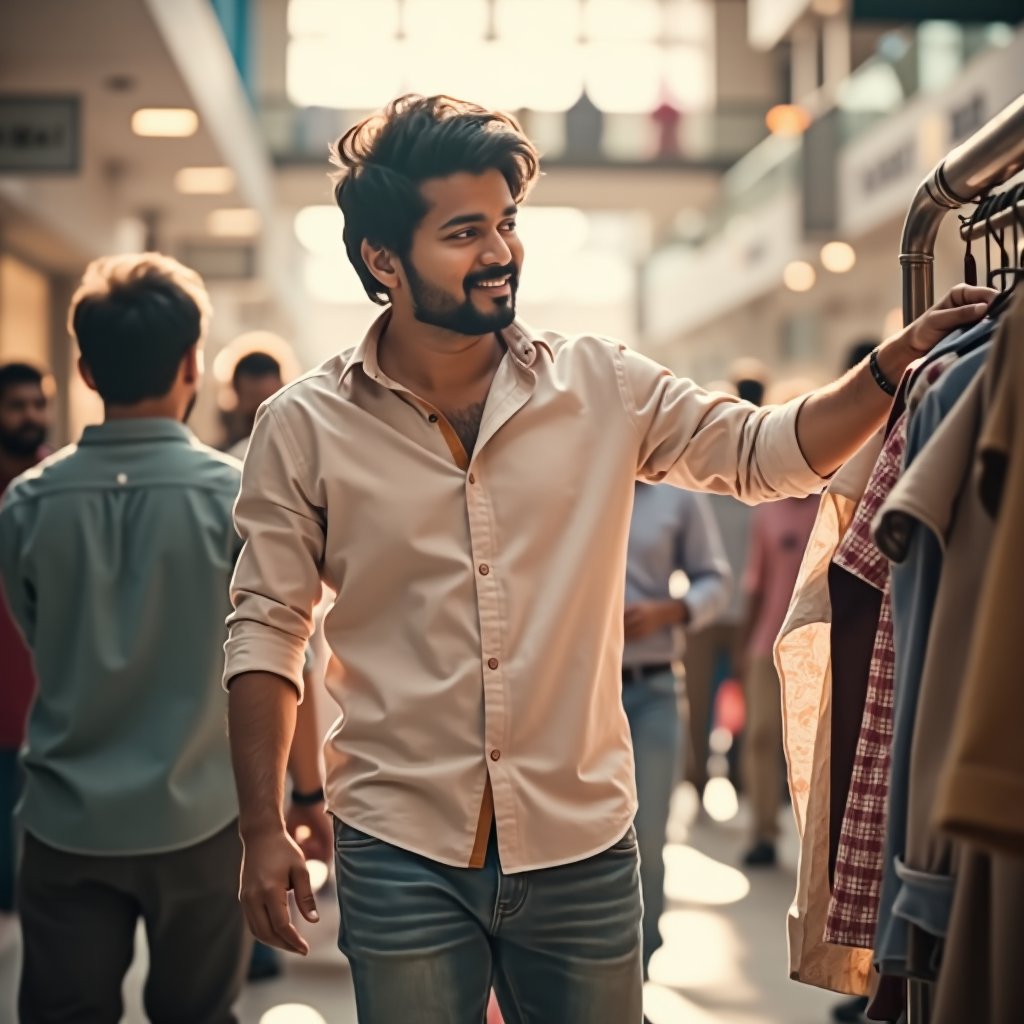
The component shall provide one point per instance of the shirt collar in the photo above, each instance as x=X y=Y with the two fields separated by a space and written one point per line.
x=149 y=428
x=520 y=340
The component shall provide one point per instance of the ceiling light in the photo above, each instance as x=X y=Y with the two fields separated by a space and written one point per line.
x=165 y=122
x=799 y=276
x=204 y=181
x=241 y=222
x=838 y=257
x=787 y=120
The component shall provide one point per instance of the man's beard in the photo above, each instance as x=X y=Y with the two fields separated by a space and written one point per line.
x=23 y=443
x=434 y=306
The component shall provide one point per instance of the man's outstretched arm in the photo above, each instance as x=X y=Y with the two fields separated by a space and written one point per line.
x=837 y=419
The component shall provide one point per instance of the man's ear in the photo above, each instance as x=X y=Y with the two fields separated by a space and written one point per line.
x=83 y=369
x=192 y=365
x=381 y=264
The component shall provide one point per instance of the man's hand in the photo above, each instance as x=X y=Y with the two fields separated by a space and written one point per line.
x=962 y=305
x=273 y=865
x=646 y=617
x=311 y=829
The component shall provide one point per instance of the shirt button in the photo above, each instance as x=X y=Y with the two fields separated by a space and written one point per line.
x=472 y=479
x=432 y=417
x=492 y=663
x=495 y=755
x=122 y=478
x=484 y=569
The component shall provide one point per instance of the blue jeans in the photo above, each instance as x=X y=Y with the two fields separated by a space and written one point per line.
x=653 y=712
x=426 y=942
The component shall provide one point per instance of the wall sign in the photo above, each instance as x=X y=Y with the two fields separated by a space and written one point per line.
x=39 y=133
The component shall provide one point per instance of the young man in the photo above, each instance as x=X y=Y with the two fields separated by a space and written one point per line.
x=670 y=531
x=465 y=485
x=24 y=418
x=115 y=555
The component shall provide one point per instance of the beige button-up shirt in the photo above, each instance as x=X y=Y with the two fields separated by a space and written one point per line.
x=479 y=600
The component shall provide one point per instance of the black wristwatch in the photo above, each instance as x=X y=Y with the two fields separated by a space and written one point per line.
x=308 y=799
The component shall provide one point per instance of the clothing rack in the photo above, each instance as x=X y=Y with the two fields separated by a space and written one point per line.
x=993 y=155
x=990 y=157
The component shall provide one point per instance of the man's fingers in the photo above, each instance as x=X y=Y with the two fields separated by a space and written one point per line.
x=281 y=922
x=304 y=898
x=944 y=320
x=967 y=295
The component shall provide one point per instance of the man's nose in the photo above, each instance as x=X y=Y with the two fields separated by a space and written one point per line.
x=497 y=253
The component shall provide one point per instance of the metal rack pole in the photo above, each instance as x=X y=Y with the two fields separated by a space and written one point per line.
x=991 y=156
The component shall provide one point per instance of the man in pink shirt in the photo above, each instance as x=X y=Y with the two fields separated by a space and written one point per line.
x=779 y=533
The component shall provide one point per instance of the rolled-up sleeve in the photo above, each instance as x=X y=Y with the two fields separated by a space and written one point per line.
x=704 y=441
x=276 y=583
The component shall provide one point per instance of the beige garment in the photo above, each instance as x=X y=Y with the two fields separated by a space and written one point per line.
x=762 y=747
x=981 y=797
x=480 y=600
x=802 y=657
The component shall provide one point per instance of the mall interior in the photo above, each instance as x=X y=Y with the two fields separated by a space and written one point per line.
x=725 y=189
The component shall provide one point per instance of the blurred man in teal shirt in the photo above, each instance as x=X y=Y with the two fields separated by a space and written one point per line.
x=115 y=555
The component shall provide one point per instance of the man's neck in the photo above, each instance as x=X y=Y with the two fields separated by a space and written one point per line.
x=149 y=409
x=432 y=360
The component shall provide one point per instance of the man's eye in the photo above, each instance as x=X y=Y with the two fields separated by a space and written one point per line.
x=509 y=226
x=468 y=233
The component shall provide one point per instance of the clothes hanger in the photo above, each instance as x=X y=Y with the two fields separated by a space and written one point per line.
x=1015 y=202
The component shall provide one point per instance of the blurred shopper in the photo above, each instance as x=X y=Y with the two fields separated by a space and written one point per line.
x=115 y=555
x=670 y=531
x=24 y=420
x=465 y=484
x=780 y=531
x=713 y=648
x=256 y=377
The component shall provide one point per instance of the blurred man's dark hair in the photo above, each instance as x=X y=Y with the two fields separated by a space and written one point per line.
x=134 y=318
x=16 y=374
x=255 y=365
x=859 y=351
x=386 y=157
x=750 y=390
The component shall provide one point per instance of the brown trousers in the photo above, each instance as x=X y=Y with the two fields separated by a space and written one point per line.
x=762 y=747
x=78 y=919
x=704 y=650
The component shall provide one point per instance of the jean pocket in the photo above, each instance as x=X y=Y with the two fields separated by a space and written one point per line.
x=347 y=838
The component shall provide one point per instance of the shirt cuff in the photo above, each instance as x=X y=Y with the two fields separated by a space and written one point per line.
x=252 y=647
x=782 y=462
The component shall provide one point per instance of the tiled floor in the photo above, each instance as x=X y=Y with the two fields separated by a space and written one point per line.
x=723 y=962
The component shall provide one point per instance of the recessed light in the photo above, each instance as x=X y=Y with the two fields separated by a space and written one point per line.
x=799 y=276
x=240 y=222
x=204 y=181
x=838 y=257
x=165 y=122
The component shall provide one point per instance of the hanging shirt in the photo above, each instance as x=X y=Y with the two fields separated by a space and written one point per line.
x=116 y=554
x=671 y=531
x=479 y=615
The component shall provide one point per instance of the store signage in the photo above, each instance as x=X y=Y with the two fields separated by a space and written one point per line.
x=889 y=167
x=39 y=133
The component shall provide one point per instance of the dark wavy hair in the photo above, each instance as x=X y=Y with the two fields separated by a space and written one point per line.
x=383 y=160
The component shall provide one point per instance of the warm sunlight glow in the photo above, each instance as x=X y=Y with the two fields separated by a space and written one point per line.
x=318 y=872
x=319 y=229
x=695 y=878
x=720 y=800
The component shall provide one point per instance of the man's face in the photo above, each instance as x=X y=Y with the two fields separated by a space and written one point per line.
x=463 y=266
x=252 y=392
x=23 y=419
